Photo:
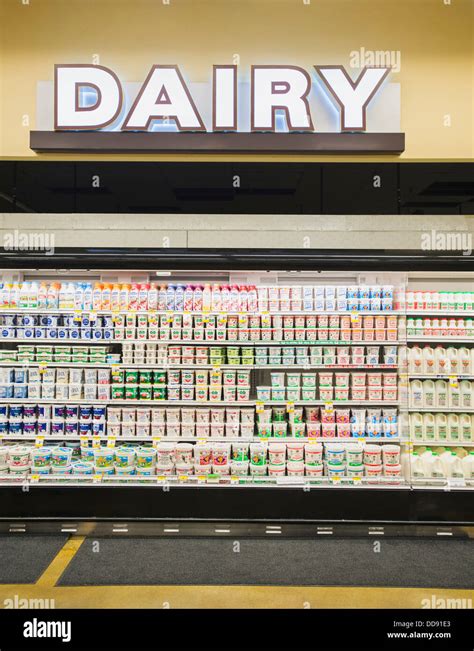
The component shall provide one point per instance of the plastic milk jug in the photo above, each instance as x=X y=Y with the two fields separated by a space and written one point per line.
x=441 y=427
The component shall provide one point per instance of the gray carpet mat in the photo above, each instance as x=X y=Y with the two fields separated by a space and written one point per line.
x=24 y=558
x=211 y=561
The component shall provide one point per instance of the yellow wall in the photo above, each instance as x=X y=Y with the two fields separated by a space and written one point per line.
x=435 y=40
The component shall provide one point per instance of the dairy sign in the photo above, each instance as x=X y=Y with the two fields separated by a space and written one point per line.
x=93 y=105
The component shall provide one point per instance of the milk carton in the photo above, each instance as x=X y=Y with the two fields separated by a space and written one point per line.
x=465 y=427
x=415 y=361
x=416 y=426
x=429 y=396
x=466 y=391
x=441 y=391
x=429 y=427
x=416 y=394
x=453 y=428
x=428 y=360
x=441 y=427
x=464 y=357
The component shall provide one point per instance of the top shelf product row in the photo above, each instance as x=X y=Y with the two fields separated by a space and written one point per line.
x=195 y=298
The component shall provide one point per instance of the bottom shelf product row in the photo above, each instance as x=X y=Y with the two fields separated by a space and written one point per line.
x=273 y=458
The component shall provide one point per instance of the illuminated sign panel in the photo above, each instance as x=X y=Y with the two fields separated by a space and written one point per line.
x=322 y=108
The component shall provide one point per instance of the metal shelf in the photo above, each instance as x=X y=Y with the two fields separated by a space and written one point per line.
x=202 y=403
x=451 y=444
x=441 y=376
x=59 y=311
x=208 y=439
x=441 y=339
x=458 y=313
x=263 y=481
x=204 y=342
x=197 y=367
x=446 y=410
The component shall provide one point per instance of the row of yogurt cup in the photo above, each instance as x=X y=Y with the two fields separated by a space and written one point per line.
x=276 y=459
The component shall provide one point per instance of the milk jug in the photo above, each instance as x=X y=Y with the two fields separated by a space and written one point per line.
x=453 y=428
x=415 y=361
x=417 y=466
x=441 y=390
x=416 y=426
x=429 y=427
x=429 y=398
x=441 y=427
x=468 y=465
x=441 y=361
x=456 y=468
x=453 y=360
x=454 y=395
x=446 y=459
x=437 y=469
x=465 y=427
x=428 y=360
x=466 y=400
x=464 y=357
x=416 y=393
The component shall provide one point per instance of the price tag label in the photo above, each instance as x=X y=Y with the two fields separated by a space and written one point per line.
x=182 y=478
x=93 y=316
x=161 y=478
x=357 y=480
x=111 y=441
x=260 y=407
x=234 y=480
x=216 y=367
x=155 y=441
x=42 y=367
x=243 y=319
x=84 y=441
x=96 y=443
x=355 y=317
x=34 y=479
x=202 y=479
x=456 y=482
x=263 y=438
x=215 y=372
x=97 y=479
x=336 y=480
x=329 y=406
x=202 y=440
x=290 y=407
x=39 y=441
x=454 y=381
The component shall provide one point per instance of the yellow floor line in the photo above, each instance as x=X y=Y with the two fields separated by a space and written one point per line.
x=53 y=572
x=131 y=596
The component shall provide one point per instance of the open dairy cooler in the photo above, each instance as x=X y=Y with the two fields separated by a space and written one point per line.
x=154 y=392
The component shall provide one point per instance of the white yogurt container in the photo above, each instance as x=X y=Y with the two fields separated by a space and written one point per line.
x=313 y=453
x=295 y=450
x=239 y=468
x=335 y=453
x=372 y=454
x=314 y=470
x=391 y=454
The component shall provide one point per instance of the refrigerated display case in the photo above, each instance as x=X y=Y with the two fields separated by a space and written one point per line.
x=246 y=394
